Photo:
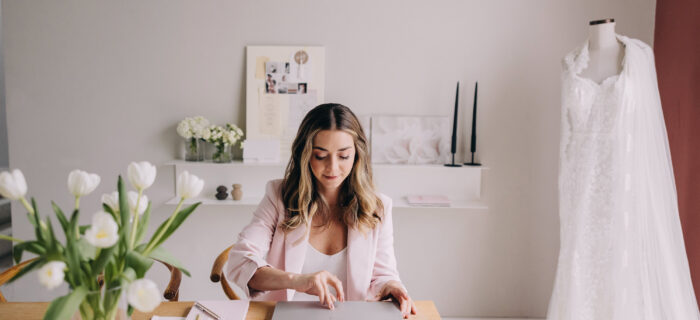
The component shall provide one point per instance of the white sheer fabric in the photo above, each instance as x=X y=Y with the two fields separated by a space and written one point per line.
x=622 y=254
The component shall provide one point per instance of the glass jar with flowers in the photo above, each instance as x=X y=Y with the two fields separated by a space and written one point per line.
x=192 y=130
x=223 y=138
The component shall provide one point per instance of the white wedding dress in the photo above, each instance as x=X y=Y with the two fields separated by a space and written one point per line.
x=622 y=254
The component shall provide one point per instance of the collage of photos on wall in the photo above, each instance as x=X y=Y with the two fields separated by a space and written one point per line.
x=278 y=79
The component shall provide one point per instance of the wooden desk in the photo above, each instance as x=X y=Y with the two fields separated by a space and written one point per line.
x=258 y=310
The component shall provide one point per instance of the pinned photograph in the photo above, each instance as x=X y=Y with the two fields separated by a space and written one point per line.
x=286 y=67
x=302 y=88
x=272 y=67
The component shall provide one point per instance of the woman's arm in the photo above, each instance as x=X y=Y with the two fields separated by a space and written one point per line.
x=248 y=254
x=385 y=282
x=319 y=283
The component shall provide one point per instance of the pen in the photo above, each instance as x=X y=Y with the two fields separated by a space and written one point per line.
x=207 y=311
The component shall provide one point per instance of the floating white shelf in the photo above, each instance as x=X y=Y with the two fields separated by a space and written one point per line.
x=461 y=185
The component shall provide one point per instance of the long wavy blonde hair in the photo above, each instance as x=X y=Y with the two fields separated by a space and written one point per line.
x=361 y=207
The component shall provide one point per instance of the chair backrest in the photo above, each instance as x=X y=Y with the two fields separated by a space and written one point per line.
x=172 y=291
x=217 y=274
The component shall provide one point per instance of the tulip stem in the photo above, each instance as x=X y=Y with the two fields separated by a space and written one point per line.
x=26 y=205
x=4 y=237
x=136 y=220
x=157 y=237
x=77 y=202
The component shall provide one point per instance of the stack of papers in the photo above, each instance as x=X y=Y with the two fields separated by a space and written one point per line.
x=428 y=201
x=261 y=151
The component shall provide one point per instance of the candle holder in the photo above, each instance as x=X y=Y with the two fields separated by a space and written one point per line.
x=473 y=139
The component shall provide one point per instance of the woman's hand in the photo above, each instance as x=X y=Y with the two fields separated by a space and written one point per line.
x=393 y=289
x=319 y=284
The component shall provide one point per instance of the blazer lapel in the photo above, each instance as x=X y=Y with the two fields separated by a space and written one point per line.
x=359 y=268
x=295 y=244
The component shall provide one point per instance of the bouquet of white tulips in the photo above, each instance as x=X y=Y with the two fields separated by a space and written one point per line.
x=111 y=248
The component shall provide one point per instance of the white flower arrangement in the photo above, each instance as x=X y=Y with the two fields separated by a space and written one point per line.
x=112 y=247
x=193 y=127
x=222 y=137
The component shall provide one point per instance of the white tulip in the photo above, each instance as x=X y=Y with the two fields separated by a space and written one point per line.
x=133 y=198
x=12 y=185
x=141 y=174
x=51 y=274
x=104 y=232
x=143 y=294
x=81 y=183
x=189 y=185
x=111 y=200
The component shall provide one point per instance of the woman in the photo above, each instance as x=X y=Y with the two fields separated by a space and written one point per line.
x=322 y=232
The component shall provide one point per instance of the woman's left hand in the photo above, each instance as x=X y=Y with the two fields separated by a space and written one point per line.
x=393 y=289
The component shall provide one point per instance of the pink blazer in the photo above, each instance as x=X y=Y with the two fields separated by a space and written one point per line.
x=371 y=261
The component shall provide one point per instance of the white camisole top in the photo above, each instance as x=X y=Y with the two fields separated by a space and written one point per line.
x=315 y=261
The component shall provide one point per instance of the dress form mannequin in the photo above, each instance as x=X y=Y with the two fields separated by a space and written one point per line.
x=604 y=50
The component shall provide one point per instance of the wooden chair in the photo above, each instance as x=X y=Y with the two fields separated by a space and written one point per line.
x=171 y=291
x=217 y=274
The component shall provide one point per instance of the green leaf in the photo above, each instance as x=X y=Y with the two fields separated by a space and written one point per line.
x=177 y=221
x=163 y=255
x=73 y=224
x=41 y=233
x=31 y=246
x=109 y=210
x=86 y=250
x=53 y=243
x=65 y=306
x=138 y=262
x=30 y=267
x=101 y=261
x=61 y=217
x=82 y=229
x=143 y=224
x=123 y=210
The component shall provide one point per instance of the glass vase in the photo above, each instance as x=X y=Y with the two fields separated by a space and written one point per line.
x=222 y=153
x=103 y=304
x=194 y=150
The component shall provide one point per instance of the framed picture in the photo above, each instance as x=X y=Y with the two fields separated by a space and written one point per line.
x=282 y=85
x=410 y=139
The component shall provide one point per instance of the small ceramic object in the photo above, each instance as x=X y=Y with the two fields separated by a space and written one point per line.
x=221 y=193
x=237 y=192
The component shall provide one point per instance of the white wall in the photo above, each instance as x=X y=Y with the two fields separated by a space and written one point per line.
x=96 y=84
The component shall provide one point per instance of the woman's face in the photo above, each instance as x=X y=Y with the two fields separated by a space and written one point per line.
x=332 y=158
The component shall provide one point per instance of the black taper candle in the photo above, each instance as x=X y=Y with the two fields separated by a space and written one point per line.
x=454 y=132
x=473 y=140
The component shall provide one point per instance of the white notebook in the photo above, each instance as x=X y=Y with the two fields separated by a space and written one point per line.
x=225 y=309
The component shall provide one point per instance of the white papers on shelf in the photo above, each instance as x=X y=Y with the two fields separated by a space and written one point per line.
x=428 y=201
x=261 y=151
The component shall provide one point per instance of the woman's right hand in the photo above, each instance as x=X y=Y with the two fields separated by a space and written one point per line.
x=319 y=284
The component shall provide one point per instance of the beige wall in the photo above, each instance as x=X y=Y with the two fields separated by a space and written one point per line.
x=96 y=84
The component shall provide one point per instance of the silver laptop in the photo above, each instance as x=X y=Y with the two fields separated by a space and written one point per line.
x=348 y=310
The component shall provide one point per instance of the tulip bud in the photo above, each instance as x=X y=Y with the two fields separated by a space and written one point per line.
x=189 y=185
x=12 y=185
x=141 y=174
x=81 y=183
x=143 y=294
x=51 y=274
x=104 y=232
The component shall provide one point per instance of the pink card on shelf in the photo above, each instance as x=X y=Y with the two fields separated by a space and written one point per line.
x=225 y=309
